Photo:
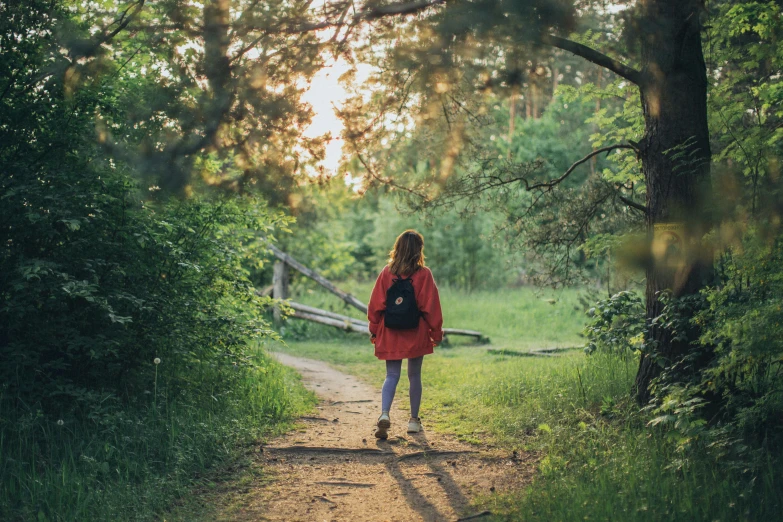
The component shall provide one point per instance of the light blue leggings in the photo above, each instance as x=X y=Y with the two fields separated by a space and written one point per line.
x=393 y=371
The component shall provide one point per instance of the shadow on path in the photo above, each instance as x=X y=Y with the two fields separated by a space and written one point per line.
x=333 y=468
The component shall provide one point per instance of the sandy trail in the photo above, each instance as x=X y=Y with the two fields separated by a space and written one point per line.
x=335 y=470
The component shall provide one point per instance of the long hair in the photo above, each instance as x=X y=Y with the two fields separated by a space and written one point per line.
x=407 y=256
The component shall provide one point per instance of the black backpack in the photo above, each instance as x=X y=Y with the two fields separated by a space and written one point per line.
x=402 y=312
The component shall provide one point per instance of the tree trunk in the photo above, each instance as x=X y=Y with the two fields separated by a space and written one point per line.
x=674 y=101
x=512 y=116
x=534 y=89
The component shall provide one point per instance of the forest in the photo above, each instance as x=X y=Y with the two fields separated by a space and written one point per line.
x=598 y=183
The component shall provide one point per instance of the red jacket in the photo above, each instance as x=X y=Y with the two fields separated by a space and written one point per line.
x=406 y=344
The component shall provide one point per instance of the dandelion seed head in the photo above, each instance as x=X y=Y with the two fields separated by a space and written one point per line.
x=156 y=360
x=60 y=422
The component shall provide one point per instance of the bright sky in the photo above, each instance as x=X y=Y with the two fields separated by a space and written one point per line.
x=324 y=95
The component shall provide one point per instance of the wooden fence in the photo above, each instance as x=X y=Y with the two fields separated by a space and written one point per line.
x=317 y=315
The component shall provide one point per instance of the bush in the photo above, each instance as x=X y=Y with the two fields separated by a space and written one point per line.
x=735 y=405
x=101 y=276
x=724 y=397
x=617 y=324
x=95 y=287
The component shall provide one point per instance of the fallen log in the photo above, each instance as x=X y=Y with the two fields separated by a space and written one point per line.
x=332 y=315
x=343 y=325
x=470 y=333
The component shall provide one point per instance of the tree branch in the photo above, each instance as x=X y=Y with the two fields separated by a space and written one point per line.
x=388 y=181
x=125 y=18
x=373 y=13
x=591 y=55
x=398 y=9
x=406 y=8
x=632 y=204
x=550 y=184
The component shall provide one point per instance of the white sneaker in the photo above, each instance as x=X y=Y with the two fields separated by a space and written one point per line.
x=414 y=425
x=384 y=423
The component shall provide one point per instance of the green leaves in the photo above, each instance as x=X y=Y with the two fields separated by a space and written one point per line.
x=746 y=97
x=95 y=280
x=617 y=324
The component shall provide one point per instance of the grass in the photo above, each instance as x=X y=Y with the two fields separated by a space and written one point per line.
x=511 y=317
x=598 y=458
x=133 y=463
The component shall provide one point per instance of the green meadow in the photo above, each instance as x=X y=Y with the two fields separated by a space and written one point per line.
x=523 y=318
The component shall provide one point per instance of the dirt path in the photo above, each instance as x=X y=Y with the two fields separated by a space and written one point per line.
x=335 y=470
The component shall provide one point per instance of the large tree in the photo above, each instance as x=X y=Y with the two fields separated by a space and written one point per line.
x=449 y=50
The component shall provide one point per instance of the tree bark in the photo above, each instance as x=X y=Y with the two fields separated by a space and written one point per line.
x=534 y=90
x=512 y=116
x=675 y=155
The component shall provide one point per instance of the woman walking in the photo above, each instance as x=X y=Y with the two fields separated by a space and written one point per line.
x=405 y=322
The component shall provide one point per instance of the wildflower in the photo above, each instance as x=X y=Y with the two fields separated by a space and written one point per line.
x=156 y=360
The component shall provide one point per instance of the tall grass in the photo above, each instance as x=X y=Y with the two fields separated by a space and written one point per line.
x=601 y=461
x=129 y=464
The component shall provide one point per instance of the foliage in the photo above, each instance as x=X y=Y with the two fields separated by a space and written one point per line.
x=617 y=119
x=103 y=277
x=741 y=323
x=347 y=237
x=328 y=235
x=225 y=112
x=96 y=286
x=734 y=406
x=460 y=251
x=617 y=324
x=744 y=54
